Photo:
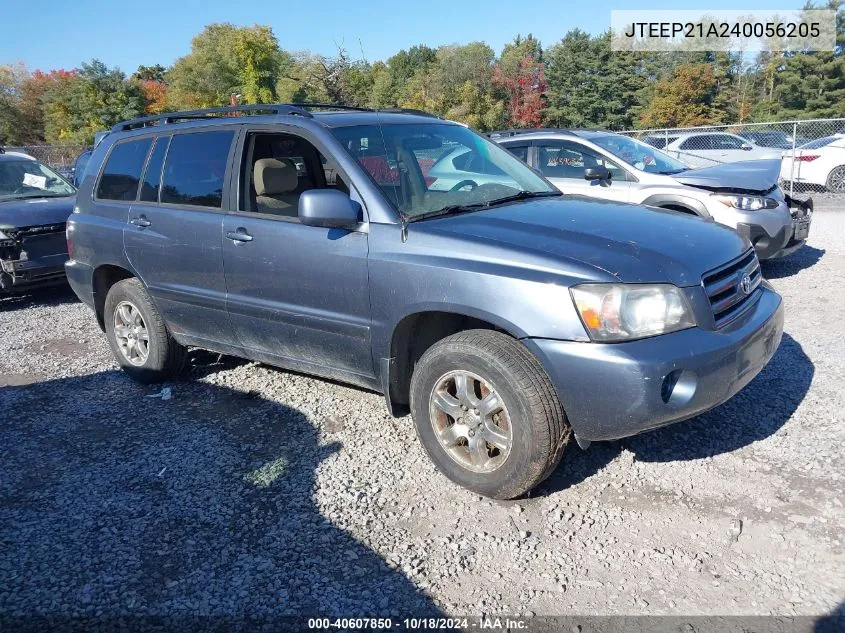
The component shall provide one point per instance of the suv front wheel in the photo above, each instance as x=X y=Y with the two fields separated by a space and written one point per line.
x=138 y=337
x=487 y=414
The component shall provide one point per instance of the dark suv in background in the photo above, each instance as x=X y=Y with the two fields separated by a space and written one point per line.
x=358 y=245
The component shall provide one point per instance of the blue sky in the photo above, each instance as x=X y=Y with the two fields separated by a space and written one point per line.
x=64 y=33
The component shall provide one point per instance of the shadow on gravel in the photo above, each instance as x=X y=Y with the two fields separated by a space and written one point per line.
x=113 y=502
x=50 y=296
x=833 y=622
x=793 y=264
x=753 y=414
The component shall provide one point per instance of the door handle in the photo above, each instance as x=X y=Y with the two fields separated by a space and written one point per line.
x=141 y=222
x=239 y=236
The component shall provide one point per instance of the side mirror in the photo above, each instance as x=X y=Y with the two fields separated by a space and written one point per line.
x=747 y=147
x=328 y=208
x=597 y=173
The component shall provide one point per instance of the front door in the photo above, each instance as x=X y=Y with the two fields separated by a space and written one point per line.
x=564 y=162
x=295 y=293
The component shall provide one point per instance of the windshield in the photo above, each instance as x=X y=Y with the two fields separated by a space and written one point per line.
x=643 y=157
x=427 y=168
x=30 y=179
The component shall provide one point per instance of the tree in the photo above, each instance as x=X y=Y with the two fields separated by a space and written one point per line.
x=225 y=60
x=685 y=100
x=510 y=61
x=524 y=91
x=150 y=73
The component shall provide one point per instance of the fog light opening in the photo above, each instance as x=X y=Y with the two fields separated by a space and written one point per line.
x=678 y=387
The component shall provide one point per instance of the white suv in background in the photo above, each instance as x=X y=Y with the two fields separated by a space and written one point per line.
x=703 y=149
x=744 y=196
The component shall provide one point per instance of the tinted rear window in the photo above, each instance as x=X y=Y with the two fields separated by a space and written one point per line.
x=819 y=143
x=152 y=176
x=123 y=170
x=195 y=167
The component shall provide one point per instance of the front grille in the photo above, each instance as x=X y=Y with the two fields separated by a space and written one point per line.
x=724 y=287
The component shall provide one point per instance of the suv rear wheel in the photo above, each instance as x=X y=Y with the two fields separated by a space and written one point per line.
x=487 y=414
x=138 y=337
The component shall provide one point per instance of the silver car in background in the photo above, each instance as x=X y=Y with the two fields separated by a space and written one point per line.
x=743 y=195
x=703 y=149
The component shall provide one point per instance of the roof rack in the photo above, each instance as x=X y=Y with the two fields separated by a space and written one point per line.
x=172 y=117
x=297 y=109
x=526 y=130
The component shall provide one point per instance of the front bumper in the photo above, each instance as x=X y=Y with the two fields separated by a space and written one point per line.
x=20 y=274
x=788 y=238
x=616 y=390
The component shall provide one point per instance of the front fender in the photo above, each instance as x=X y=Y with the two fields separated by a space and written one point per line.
x=669 y=199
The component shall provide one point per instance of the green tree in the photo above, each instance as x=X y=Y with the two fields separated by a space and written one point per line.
x=684 y=100
x=225 y=60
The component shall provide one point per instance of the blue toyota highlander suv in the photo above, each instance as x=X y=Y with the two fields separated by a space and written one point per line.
x=359 y=245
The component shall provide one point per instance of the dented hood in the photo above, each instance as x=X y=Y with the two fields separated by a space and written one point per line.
x=751 y=175
x=15 y=214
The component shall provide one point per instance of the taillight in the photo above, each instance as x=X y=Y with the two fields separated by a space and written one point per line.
x=807 y=158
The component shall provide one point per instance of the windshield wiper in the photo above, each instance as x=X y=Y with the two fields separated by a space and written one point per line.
x=452 y=209
x=672 y=172
x=522 y=195
x=455 y=209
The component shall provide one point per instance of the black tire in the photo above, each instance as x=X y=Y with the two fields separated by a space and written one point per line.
x=166 y=358
x=538 y=425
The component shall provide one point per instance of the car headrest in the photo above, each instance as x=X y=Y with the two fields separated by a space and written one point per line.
x=273 y=176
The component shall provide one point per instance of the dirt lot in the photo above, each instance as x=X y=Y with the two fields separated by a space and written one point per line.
x=247 y=490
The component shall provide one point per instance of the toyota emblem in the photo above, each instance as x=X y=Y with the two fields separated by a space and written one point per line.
x=745 y=284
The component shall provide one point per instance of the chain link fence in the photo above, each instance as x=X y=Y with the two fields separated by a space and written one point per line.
x=812 y=152
x=60 y=158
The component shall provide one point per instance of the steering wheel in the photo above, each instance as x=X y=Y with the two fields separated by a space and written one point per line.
x=21 y=189
x=464 y=183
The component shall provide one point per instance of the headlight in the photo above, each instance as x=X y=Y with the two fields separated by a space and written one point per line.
x=747 y=203
x=624 y=312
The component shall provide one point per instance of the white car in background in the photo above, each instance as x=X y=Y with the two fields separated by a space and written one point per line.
x=704 y=149
x=820 y=163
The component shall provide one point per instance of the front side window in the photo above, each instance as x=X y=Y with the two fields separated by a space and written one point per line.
x=122 y=172
x=27 y=178
x=567 y=159
x=637 y=154
x=196 y=168
x=277 y=169
x=415 y=166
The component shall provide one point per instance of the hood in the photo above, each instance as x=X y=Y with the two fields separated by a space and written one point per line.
x=628 y=243
x=751 y=176
x=35 y=212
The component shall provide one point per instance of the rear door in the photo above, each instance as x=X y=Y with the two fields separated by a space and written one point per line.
x=297 y=295
x=173 y=235
x=564 y=162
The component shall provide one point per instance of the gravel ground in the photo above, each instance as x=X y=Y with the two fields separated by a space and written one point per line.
x=248 y=490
